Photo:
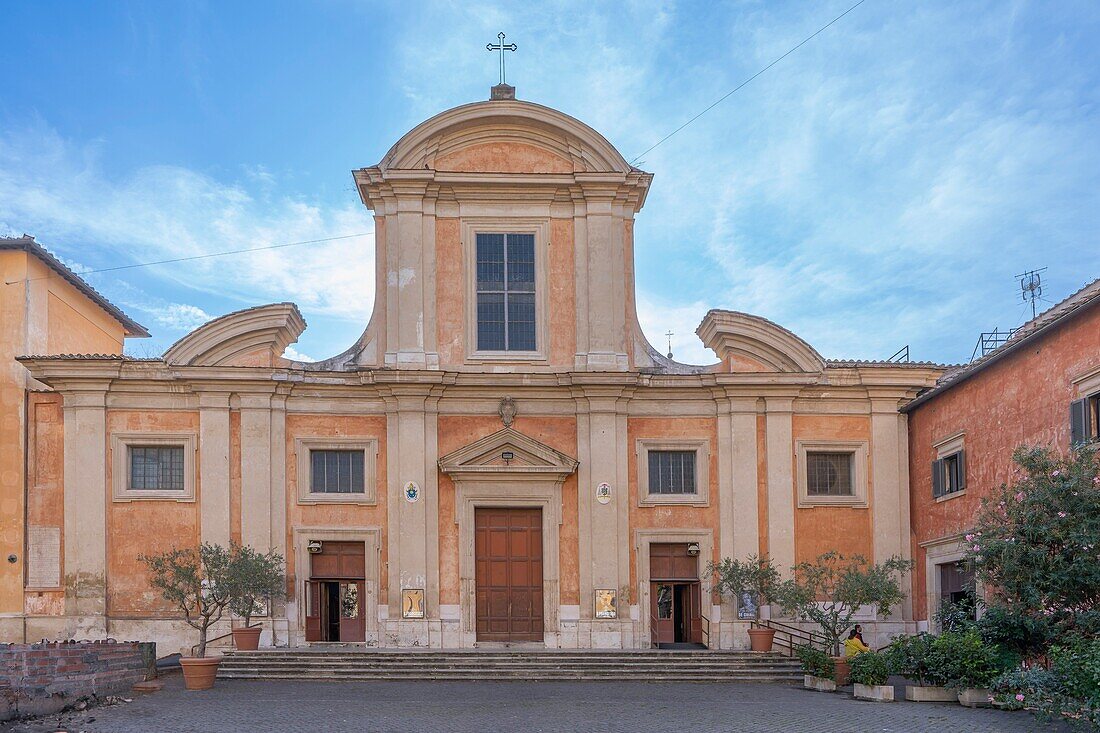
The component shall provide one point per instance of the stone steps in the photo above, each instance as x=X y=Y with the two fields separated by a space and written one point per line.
x=371 y=664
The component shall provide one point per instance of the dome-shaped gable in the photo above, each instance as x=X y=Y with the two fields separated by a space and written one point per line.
x=504 y=137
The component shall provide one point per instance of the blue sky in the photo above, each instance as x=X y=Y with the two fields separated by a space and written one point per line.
x=879 y=187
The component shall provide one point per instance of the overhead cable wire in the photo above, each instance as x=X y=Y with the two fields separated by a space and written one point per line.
x=730 y=93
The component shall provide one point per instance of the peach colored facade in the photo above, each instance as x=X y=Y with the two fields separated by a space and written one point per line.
x=430 y=409
x=44 y=308
x=1018 y=395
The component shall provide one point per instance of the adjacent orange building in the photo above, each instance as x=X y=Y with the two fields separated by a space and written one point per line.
x=1041 y=388
x=44 y=308
x=501 y=457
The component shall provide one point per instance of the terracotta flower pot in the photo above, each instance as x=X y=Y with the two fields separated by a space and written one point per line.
x=843 y=667
x=247 y=639
x=199 y=672
x=760 y=639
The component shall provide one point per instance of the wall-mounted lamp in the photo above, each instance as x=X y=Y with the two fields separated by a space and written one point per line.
x=507 y=455
x=314 y=546
x=693 y=549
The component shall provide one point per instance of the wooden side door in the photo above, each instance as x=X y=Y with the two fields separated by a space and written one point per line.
x=695 y=613
x=508 y=566
x=352 y=620
x=314 y=615
x=662 y=617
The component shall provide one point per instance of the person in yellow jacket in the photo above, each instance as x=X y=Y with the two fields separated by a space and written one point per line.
x=854 y=645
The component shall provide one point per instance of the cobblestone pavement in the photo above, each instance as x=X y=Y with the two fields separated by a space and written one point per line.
x=489 y=707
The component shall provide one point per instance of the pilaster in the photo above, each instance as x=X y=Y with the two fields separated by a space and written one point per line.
x=780 y=457
x=86 y=495
x=256 y=478
x=214 y=467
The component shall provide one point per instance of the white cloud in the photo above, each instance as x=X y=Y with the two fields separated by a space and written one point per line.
x=178 y=316
x=294 y=355
x=59 y=190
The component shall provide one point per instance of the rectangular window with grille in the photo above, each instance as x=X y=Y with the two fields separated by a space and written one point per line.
x=506 y=292
x=672 y=472
x=336 y=471
x=829 y=473
x=156 y=468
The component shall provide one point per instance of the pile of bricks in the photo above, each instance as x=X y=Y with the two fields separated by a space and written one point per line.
x=43 y=678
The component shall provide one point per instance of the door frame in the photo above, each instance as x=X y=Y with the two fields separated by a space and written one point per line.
x=643 y=538
x=544 y=495
x=371 y=537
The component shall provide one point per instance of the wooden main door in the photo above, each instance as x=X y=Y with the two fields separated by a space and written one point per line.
x=508 y=558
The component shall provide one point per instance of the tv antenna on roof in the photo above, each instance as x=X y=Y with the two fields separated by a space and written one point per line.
x=1031 y=287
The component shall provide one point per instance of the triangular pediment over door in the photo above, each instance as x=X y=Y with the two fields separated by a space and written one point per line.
x=507 y=453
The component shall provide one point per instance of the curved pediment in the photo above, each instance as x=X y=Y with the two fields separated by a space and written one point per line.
x=486 y=457
x=251 y=337
x=505 y=137
x=747 y=343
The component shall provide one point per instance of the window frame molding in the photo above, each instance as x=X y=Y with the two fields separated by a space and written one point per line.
x=120 y=465
x=701 y=448
x=540 y=228
x=368 y=444
x=945 y=448
x=859 y=451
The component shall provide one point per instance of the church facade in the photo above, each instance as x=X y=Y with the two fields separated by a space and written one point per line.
x=501 y=457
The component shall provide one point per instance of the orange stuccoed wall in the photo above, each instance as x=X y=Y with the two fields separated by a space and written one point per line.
x=1022 y=399
x=41 y=314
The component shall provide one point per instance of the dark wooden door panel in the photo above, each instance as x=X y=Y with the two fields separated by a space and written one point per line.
x=508 y=559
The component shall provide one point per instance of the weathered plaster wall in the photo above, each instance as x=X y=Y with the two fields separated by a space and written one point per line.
x=563 y=296
x=146 y=526
x=333 y=516
x=672 y=516
x=45 y=497
x=450 y=292
x=42 y=314
x=1022 y=399
x=503 y=157
x=822 y=528
x=559 y=433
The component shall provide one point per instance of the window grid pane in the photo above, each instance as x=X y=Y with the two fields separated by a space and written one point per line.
x=156 y=468
x=506 y=292
x=829 y=474
x=336 y=471
x=671 y=472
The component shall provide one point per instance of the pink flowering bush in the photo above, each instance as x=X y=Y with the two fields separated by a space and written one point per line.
x=1036 y=545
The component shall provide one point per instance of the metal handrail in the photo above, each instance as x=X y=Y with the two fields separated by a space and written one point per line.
x=791 y=637
x=195 y=647
x=653 y=629
x=706 y=631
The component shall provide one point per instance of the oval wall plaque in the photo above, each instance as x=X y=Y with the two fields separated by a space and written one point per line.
x=412 y=492
x=603 y=493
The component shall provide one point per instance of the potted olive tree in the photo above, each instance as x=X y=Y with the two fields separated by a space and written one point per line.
x=832 y=589
x=917 y=657
x=257 y=580
x=197 y=582
x=750 y=582
x=870 y=672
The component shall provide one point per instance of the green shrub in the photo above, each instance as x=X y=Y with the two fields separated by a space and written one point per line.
x=1031 y=688
x=918 y=658
x=870 y=668
x=1028 y=635
x=1077 y=664
x=816 y=662
x=968 y=662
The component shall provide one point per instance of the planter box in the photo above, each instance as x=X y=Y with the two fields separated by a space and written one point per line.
x=930 y=693
x=874 y=693
x=974 y=698
x=818 y=683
